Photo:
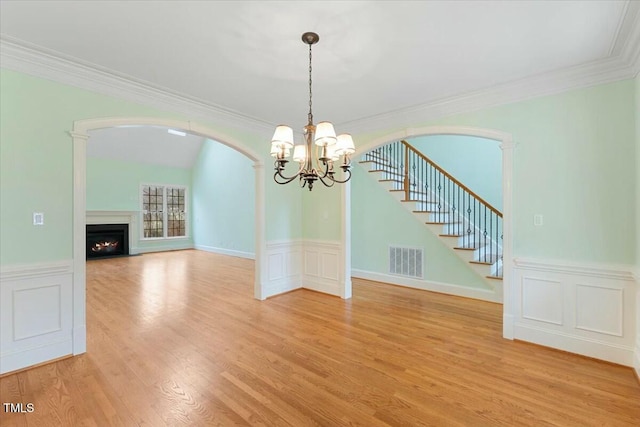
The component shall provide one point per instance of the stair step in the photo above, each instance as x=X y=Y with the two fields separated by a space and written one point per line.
x=494 y=277
x=462 y=248
x=481 y=262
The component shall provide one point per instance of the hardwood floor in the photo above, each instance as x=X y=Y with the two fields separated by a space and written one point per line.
x=177 y=339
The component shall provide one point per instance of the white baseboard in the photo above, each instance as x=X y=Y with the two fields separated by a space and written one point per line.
x=230 y=252
x=445 y=288
x=585 y=346
x=13 y=361
x=325 y=286
x=277 y=287
x=161 y=248
x=508 y=328
x=79 y=339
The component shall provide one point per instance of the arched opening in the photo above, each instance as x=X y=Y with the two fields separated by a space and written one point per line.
x=80 y=135
x=506 y=145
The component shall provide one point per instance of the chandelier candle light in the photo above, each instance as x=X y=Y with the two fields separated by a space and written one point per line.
x=329 y=147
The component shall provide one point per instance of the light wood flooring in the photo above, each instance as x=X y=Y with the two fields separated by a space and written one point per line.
x=177 y=339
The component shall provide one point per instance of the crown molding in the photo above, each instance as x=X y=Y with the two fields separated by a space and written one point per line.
x=623 y=63
x=37 y=61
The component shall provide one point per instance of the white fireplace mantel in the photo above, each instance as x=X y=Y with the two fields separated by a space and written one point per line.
x=117 y=217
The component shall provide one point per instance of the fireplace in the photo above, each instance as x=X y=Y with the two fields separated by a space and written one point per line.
x=107 y=240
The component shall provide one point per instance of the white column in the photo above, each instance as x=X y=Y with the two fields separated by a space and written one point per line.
x=507 y=239
x=260 y=239
x=79 y=237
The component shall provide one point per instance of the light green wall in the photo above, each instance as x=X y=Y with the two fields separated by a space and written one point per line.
x=379 y=221
x=321 y=209
x=114 y=185
x=476 y=162
x=36 y=162
x=574 y=163
x=223 y=208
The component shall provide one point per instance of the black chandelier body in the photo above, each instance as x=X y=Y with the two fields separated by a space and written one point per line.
x=329 y=148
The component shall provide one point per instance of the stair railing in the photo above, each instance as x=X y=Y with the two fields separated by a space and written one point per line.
x=462 y=212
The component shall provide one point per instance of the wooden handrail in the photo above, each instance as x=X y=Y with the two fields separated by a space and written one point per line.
x=445 y=173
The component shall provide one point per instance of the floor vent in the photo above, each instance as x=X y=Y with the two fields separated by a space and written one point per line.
x=406 y=262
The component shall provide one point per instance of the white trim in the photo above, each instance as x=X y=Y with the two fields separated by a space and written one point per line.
x=25 y=357
x=586 y=346
x=345 y=285
x=230 y=252
x=605 y=271
x=170 y=246
x=508 y=146
x=31 y=271
x=428 y=285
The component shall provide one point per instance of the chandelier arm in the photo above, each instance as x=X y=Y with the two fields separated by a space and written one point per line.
x=285 y=179
x=331 y=181
x=346 y=171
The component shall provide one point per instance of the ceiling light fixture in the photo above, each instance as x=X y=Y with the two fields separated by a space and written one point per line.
x=329 y=147
x=176 y=132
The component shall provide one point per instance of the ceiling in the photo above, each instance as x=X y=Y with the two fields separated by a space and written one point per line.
x=245 y=59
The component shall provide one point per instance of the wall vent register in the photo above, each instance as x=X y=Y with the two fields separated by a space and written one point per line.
x=406 y=262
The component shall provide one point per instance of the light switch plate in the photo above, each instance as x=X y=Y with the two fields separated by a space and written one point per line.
x=538 y=220
x=38 y=218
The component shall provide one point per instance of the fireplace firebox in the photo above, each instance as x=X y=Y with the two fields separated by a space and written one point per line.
x=107 y=240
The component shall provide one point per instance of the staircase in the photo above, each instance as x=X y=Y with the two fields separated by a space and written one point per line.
x=461 y=219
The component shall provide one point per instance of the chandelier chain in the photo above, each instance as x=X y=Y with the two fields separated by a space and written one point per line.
x=310 y=117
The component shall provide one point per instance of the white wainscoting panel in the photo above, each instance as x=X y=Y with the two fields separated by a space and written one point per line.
x=322 y=264
x=542 y=300
x=283 y=267
x=36 y=314
x=584 y=309
x=599 y=309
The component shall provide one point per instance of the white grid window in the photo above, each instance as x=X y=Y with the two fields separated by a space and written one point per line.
x=164 y=211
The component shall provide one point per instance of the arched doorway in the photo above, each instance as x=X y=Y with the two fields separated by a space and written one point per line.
x=80 y=136
x=507 y=145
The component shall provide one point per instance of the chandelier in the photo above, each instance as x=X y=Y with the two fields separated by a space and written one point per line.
x=329 y=148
